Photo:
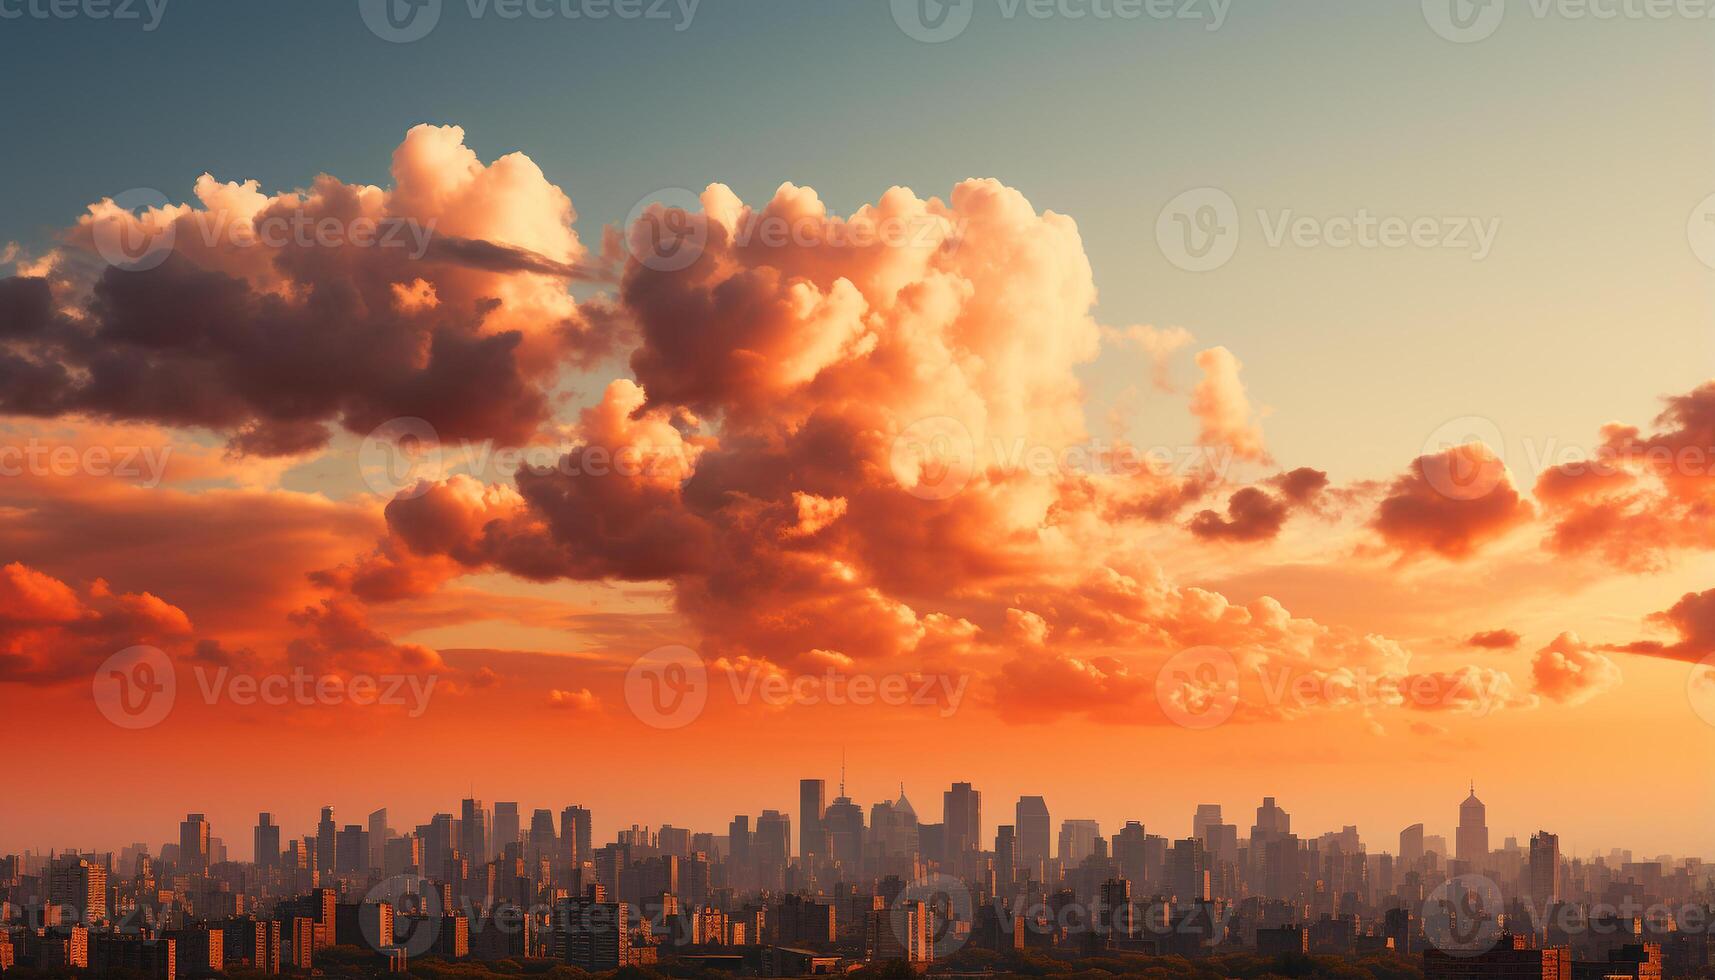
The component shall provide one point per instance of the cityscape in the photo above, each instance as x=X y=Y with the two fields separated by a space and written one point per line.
x=887 y=489
x=836 y=886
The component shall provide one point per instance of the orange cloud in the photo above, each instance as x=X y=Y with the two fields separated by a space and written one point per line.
x=1450 y=504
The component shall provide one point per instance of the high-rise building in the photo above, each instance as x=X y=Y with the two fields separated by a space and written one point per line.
x=962 y=808
x=326 y=832
x=473 y=831
x=378 y=838
x=1472 y=841
x=80 y=885
x=506 y=826
x=575 y=836
x=1035 y=833
x=544 y=842
x=1131 y=853
x=1005 y=856
x=812 y=803
x=1190 y=871
x=1272 y=823
x=351 y=849
x=593 y=936
x=1207 y=814
x=843 y=824
x=265 y=843
x=193 y=844
x=1411 y=846
x=1544 y=869
x=1077 y=841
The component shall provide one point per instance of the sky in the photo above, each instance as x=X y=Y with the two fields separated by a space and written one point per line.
x=1364 y=284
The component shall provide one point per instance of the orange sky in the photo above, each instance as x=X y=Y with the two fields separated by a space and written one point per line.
x=809 y=449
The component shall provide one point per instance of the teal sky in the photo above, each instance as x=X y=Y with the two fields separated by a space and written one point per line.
x=1588 y=141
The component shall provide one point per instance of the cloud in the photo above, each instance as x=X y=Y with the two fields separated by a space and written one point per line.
x=1220 y=403
x=1434 y=508
x=580 y=701
x=51 y=632
x=1254 y=514
x=1639 y=497
x=277 y=317
x=1570 y=671
x=1693 y=619
x=1493 y=640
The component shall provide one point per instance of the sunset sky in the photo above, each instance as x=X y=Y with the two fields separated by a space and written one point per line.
x=982 y=269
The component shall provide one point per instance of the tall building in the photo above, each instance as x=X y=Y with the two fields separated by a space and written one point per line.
x=1411 y=846
x=265 y=842
x=544 y=843
x=812 y=804
x=1544 y=869
x=473 y=831
x=1190 y=863
x=1272 y=823
x=1005 y=856
x=506 y=826
x=575 y=836
x=1472 y=842
x=1035 y=832
x=351 y=849
x=193 y=844
x=1077 y=841
x=593 y=936
x=326 y=832
x=1207 y=815
x=843 y=824
x=378 y=838
x=80 y=885
x=962 y=807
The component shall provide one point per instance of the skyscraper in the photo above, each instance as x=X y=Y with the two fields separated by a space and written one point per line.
x=1035 y=832
x=505 y=828
x=1077 y=841
x=962 y=808
x=326 y=831
x=1190 y=871
x=1272 y=823
x=378 y=838
x=812 y=803
x=473 y=831
x=193 y=844
x=1207 y=814
x=265 y=842
x=575 y=836
x=544 y=843
x=1472 y=842
x=1005 y=855
x=1411 y=846
x=1544 y=869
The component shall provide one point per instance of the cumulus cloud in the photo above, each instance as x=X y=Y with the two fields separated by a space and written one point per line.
x=275 y=317
x=1450 y=504
x=1570 y=671
x=1639 y=497
x=1493 y=640
x=1693 y=619
x=1255 y=514
x=1221 y=405
x=51 y=632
